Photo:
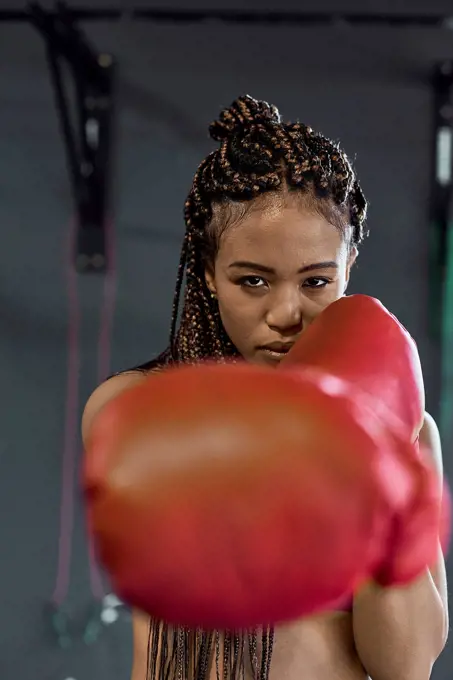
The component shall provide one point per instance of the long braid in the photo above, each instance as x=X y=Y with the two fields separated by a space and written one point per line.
x=258 y=153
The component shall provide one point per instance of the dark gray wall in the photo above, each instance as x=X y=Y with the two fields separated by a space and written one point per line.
x=368 y=88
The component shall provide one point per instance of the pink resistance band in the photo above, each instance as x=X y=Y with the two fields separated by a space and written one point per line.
x=70 y=474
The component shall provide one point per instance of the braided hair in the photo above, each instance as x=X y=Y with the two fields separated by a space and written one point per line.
x=258 y=155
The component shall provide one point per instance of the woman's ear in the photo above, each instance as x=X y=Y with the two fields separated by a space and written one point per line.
x=209 y=277
x=352 y=257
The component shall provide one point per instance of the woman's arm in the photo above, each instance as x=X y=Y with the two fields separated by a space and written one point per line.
x=140 y=633
x=100 y=397
x=400 y=632
x=430 y=441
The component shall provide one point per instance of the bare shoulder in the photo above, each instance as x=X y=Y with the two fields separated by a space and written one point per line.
x=107 y=391
x=140 y=632
x=430 y=440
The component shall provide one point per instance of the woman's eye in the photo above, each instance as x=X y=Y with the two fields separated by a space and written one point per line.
x=252 y=281
x=316 y=282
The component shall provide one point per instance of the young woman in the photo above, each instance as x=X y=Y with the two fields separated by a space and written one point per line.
x=273 y=224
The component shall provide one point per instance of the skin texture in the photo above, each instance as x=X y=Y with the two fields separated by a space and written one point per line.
x=259 y=307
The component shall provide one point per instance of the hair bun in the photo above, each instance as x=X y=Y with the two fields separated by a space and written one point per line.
x=243 y=114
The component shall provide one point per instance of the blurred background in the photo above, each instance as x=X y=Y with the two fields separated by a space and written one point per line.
x=380 y=83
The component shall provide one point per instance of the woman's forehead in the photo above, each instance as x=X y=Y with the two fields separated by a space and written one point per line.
x=275 y=232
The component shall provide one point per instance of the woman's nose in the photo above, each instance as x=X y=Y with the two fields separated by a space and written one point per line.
x=285 y=316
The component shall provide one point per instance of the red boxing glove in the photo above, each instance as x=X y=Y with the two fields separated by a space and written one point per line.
x=358 y=340
x=417 y=521
x=419 y=526
x=231 y=496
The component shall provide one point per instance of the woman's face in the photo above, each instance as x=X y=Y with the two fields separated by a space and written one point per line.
x=274 y=273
